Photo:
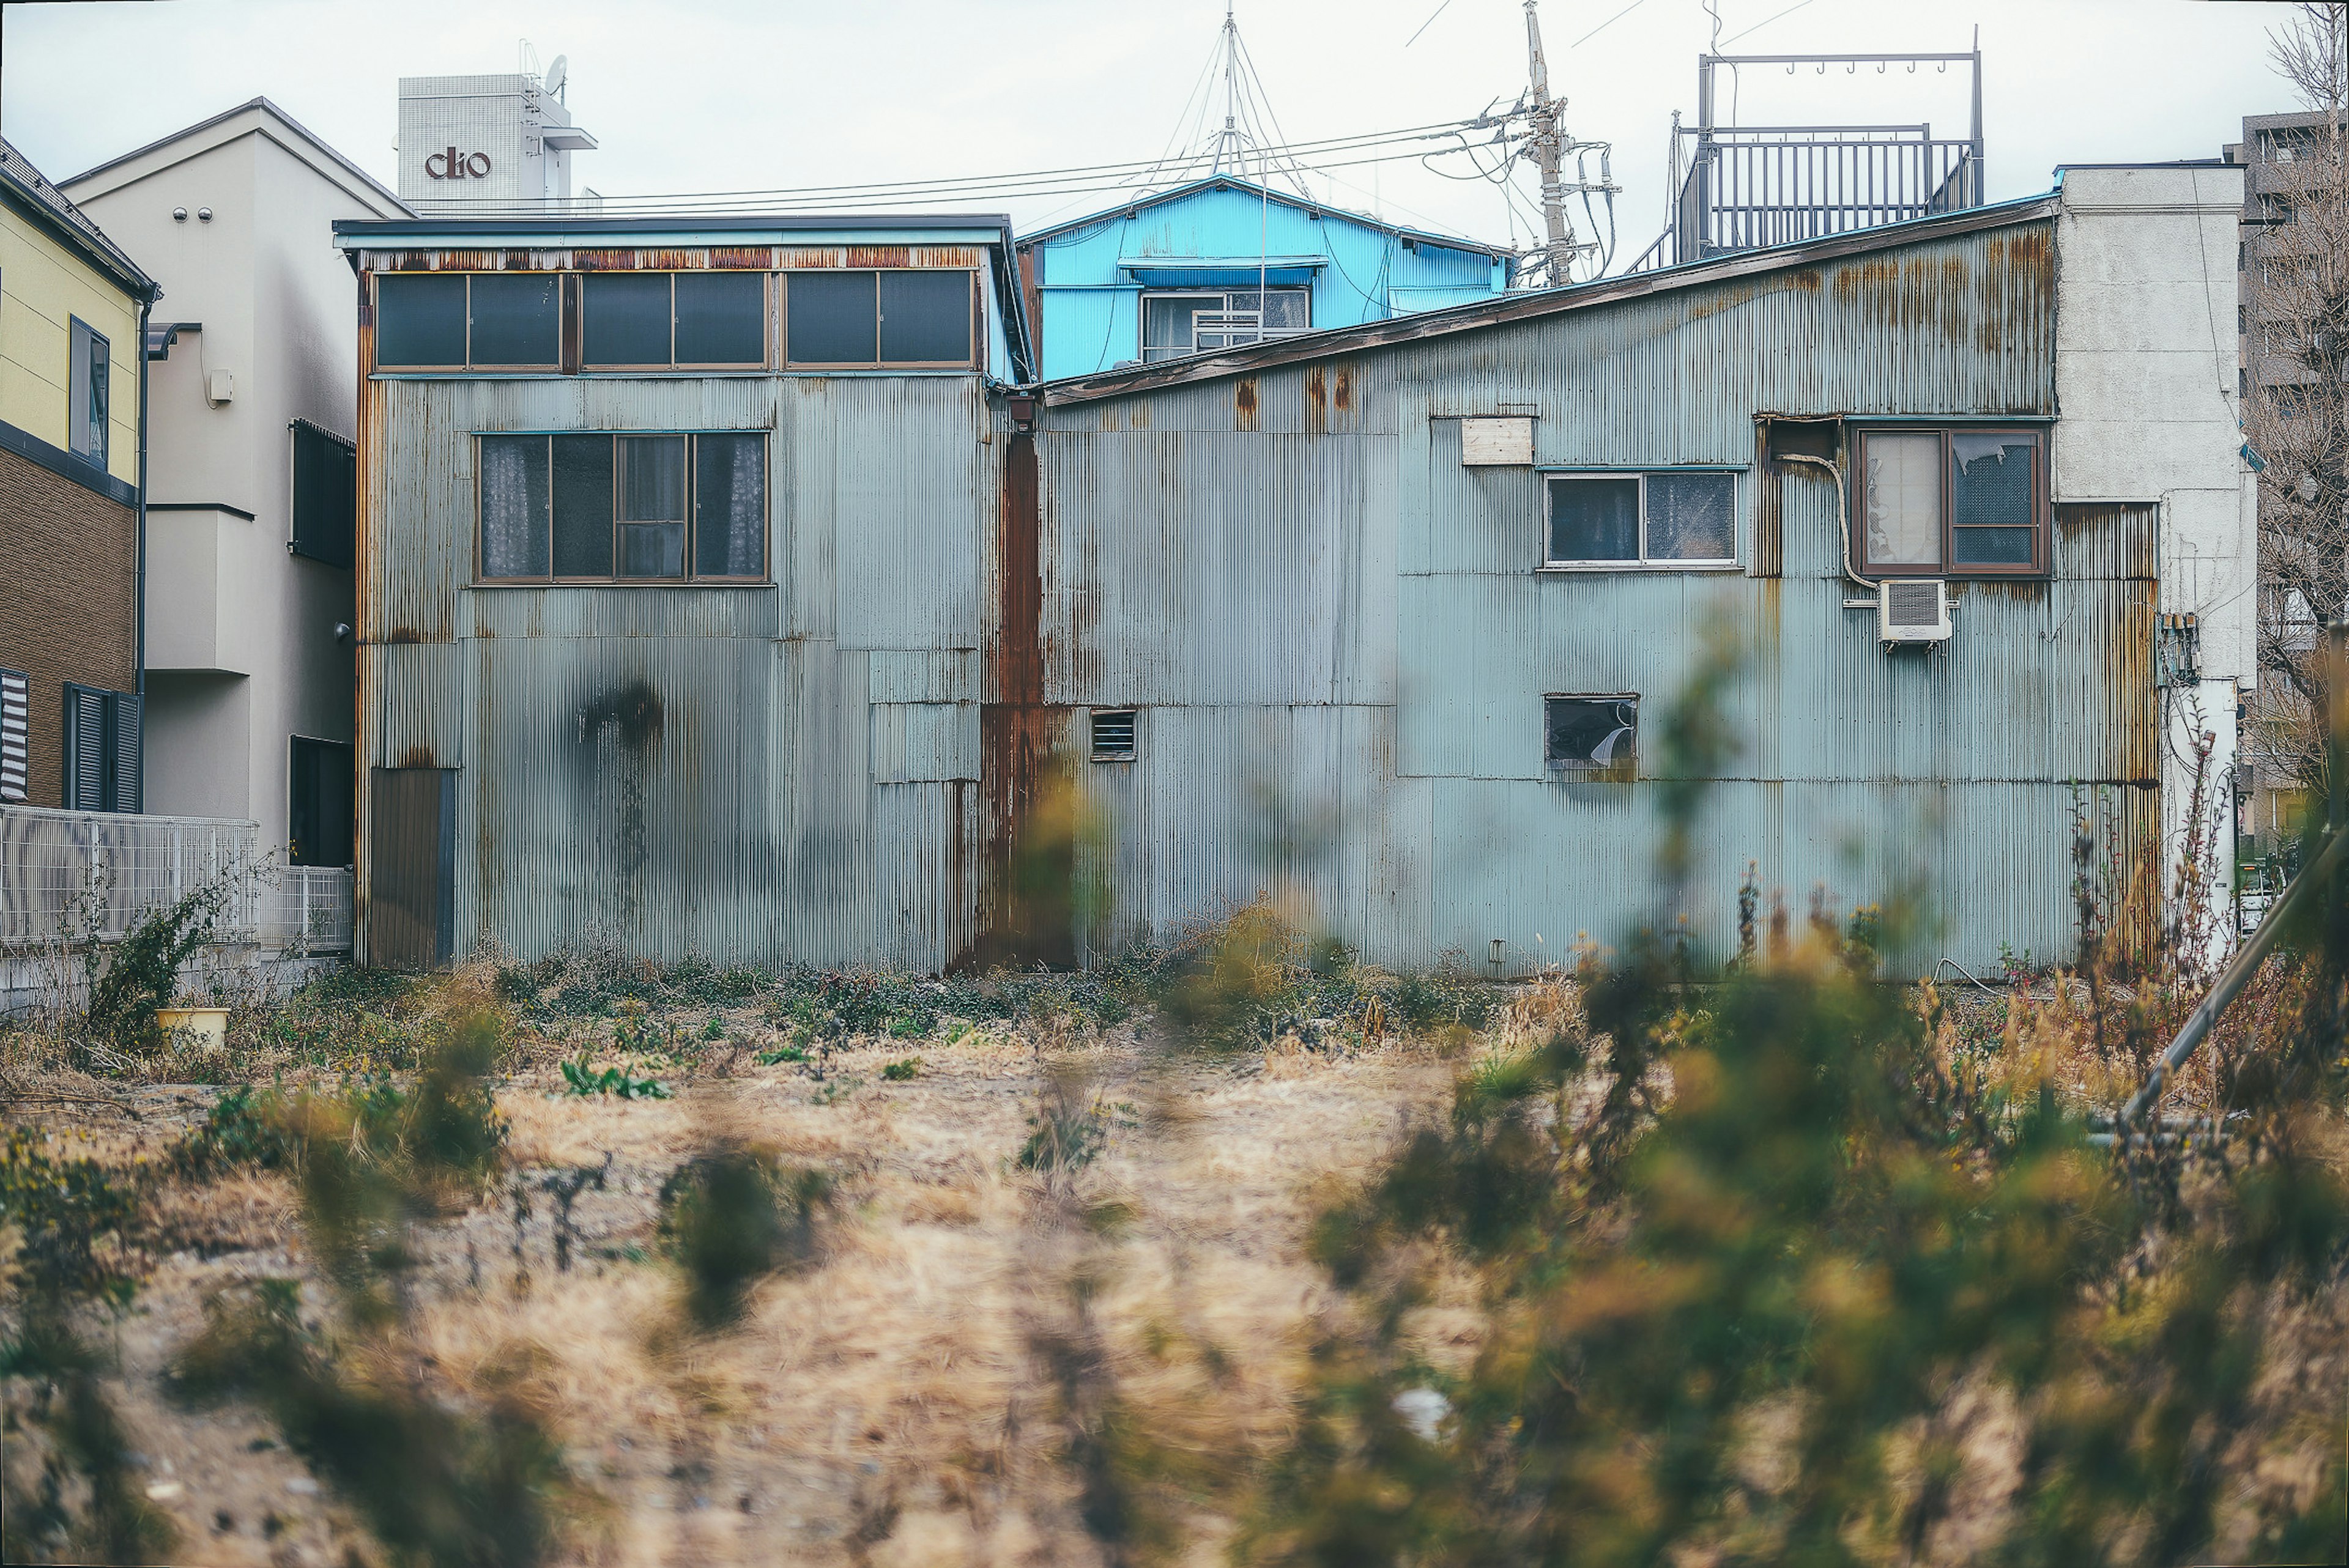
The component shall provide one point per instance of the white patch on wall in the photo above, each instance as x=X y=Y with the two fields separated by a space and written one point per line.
x=1497 y=442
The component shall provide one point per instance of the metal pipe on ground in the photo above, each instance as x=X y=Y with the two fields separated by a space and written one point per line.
x=2329 y=866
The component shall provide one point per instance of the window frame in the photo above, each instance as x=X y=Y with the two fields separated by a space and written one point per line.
x=1547 y=475
x=82 y=377
x=570 y=358
x=688 y=579
x=2042 y=436
x=1141 y=344
x=1573 y=773
x=974 y=297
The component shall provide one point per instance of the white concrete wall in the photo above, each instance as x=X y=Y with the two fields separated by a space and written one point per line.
x=240 y=631
x=2146 y=380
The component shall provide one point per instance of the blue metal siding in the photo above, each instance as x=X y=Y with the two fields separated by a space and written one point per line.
x=1090 y=278
x=1242 y=542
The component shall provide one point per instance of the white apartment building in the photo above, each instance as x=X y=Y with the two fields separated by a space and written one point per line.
x=253 y=396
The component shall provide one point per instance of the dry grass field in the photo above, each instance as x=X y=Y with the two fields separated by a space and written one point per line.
x=1254 y=1256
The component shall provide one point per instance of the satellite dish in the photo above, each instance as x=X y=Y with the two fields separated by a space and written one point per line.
x=558 y=73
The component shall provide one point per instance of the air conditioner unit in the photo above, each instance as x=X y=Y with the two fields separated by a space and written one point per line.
x=1912 y=610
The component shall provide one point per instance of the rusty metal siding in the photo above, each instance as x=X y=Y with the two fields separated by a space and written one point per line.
x=688 y=770
x=1260 y=575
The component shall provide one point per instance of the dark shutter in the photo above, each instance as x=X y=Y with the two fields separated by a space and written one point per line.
x=125 y=749
x=85 y=771
x=326 y=495
x=16 y=735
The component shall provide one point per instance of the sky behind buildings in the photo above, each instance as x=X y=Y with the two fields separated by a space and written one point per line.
x=726 y=95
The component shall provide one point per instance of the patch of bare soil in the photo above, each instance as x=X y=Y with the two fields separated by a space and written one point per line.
x=903 y=1401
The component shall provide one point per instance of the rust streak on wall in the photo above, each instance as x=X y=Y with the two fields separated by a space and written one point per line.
x=1016 y=729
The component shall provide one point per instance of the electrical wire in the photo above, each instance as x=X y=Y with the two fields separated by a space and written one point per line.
x=1610 y=21
x=1082 y=176
x=1757 y=26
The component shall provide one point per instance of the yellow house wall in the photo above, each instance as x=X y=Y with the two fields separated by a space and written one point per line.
x=42 y=286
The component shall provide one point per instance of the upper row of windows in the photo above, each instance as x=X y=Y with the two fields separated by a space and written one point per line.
x=556 y=322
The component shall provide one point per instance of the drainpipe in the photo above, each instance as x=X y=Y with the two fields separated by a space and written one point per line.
x=138 y=666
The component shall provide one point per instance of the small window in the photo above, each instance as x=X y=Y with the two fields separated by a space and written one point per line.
x=652 y=506
x=103 y=754
x=1592 y=738
x=1667 y=518
x=626 y=319
x=517 y=319
x=15 y=736
x=722 y=318
x=877 y=318
x=420 y=320
x=1949 y=502
x=1112 y=735
x=318 y=803
x=87 y=384
x=600 y=508
x=1199 y=321
x=326 y=495
x=925 y=318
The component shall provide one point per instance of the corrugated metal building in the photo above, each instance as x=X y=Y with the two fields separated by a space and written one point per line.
x=1224 y=261
x=1385 y=615
x=671 y=615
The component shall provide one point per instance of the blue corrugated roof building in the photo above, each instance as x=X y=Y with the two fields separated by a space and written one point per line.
x=1221 y=262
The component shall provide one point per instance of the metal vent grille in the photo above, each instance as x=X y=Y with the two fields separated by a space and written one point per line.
x=1113 y=733
x=16 y=734
x=1912 y=604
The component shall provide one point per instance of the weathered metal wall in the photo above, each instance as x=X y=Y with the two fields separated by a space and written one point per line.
x=780 y=772
x=1339 y=643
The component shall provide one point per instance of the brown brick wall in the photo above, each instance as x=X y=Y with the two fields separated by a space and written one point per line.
x=68 y=601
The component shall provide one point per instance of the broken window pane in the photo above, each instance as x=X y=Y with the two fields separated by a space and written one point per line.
x=514 y=506
x=582 y=506
x=722 y=318
x=1592 y=736
x=925 y=318
x=1901 y=500
x=1692 y=517
x=830 y=318
x=516 y=318
x=1991 y=508
x=1594 y=518
x=730 y=506
x=420 y=319
x=626 y=318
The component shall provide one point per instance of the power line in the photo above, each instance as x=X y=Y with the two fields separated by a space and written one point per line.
x=1765 y=21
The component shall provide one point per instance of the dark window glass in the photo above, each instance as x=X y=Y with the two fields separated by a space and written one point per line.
x=1690 y=517
x=517 y=318
x=730 y=506
x=832 y=319
x=1593 y=735
x=582 y=506
x=627 y=318
x=1991 y=510
x=722 y=318
x=318 y=809
x=420 y=319
x=325 y=496
x=925 y=318
x=652 y=550
x=652 y=506
x=1594 y=520
x=87 y=376
x=514 y=506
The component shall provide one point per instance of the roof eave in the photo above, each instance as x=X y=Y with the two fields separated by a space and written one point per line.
x=114 y=264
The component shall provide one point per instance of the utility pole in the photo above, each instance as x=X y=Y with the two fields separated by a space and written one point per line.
x=1545 y=143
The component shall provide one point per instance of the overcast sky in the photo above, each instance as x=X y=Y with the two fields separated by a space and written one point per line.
x=703 y=95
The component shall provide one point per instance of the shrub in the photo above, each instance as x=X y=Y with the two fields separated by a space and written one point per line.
x=732 y=1216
